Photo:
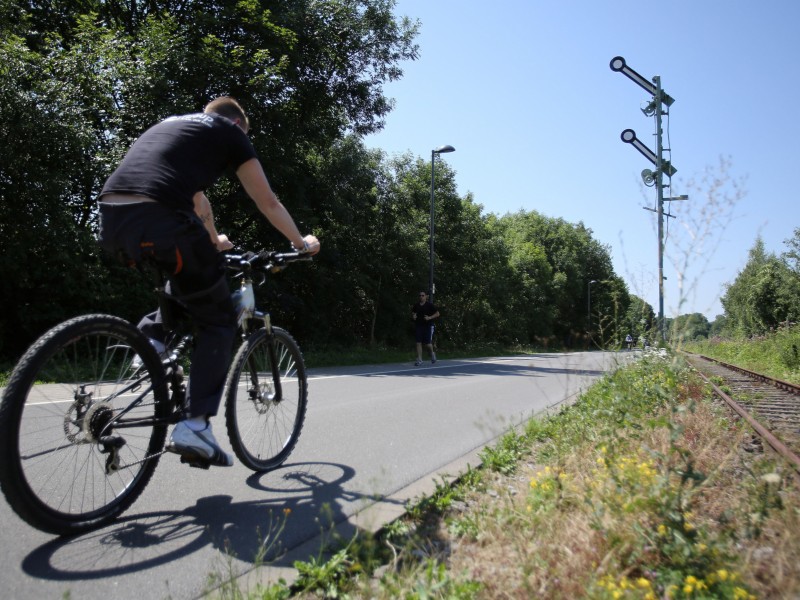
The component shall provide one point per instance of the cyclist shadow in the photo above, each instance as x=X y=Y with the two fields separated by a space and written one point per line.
x=306 y=502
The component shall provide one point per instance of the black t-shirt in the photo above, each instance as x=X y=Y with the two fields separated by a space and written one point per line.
x=183 y=155
x=424 y=310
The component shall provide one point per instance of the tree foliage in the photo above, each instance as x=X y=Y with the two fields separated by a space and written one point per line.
x=765 y=293
x=80 y=80
x=687 y=328
x=640 y=320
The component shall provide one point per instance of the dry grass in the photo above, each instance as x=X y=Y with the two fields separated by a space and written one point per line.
x=560 y=549
x=646 y=488
x=675 y=504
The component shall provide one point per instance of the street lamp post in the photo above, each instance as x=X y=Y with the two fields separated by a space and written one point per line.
x=439 y=150
x=589 y=307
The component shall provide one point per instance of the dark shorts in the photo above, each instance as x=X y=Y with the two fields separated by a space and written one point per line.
x=180 y=245
x=424 y=333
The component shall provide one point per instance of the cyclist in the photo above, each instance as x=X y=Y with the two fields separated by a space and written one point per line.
x=154 y=205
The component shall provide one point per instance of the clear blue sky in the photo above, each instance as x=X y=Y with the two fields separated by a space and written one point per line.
x=523 y=90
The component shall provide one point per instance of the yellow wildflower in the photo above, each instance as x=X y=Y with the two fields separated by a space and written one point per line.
x=643 y=582
x=662 y=529
x=722 y=574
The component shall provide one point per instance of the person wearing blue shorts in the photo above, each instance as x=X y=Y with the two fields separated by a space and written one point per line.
x=423 y=313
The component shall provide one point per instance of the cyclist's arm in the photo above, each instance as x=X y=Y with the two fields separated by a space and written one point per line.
x=202 y=208
x=257 y=187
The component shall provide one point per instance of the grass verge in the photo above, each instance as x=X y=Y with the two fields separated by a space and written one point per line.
x=776 y=354
x=642 y=489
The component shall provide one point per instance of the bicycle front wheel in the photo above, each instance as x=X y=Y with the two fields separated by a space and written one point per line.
x=266 y=399
x=78 y=441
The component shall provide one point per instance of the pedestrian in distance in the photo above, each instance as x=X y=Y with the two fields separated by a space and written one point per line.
x=423 y=313
x=153 y=206
x=629 y=341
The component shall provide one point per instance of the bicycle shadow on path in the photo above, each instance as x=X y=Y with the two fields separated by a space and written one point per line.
x=307 y=502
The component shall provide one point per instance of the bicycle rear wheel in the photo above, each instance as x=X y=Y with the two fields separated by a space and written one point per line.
x=58 y=424
x=266 y=397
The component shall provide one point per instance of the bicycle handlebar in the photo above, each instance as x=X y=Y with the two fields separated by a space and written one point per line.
x=266 y=261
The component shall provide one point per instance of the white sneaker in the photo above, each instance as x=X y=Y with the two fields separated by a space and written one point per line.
x=198 y=443
x=136 y=363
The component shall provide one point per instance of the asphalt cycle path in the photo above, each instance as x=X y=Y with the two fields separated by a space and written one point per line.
x=375 y=437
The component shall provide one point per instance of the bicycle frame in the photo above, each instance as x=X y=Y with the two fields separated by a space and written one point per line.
x=247 y=315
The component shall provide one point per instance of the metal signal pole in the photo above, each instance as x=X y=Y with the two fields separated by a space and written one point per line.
x=662 y=167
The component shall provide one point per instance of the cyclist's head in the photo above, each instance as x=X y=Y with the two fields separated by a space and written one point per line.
x=229 y=108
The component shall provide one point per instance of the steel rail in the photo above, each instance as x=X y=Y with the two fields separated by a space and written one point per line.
x=765 y=433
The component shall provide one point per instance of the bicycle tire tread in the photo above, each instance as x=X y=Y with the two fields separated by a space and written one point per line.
x=20 y=497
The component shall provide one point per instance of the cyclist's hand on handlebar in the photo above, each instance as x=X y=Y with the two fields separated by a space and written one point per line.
x=310 y=245
x=223 y=243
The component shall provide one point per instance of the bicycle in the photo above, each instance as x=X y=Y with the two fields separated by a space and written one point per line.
x=84 y=417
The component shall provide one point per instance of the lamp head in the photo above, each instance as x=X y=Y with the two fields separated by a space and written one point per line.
x=444 y=149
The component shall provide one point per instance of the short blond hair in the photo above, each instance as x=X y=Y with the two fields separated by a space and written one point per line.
x=229 y=108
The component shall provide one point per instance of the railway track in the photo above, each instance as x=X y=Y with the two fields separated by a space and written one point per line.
x=770 y=406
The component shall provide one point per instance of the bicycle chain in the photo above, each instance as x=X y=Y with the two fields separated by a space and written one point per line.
x=72 y=437
x=145 y=459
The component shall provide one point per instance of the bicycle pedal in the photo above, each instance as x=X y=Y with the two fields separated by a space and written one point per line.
x=189 y=458
x=196 y=462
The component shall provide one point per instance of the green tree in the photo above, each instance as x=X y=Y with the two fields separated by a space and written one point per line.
x=764 y=294
x=46 y=223
x=792 y=255
x=639 y=319
x=560 y=290
x=81 y=79
x=718 y=326
x=687 y=328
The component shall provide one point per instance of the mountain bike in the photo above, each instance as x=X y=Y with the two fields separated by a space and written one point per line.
x=84 y=417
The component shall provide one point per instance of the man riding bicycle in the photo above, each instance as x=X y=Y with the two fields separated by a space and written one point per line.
x=154 y=206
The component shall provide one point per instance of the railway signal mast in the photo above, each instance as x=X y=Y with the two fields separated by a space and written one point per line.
x=656 y=107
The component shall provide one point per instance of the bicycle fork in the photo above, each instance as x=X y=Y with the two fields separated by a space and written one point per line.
x=257 y=394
